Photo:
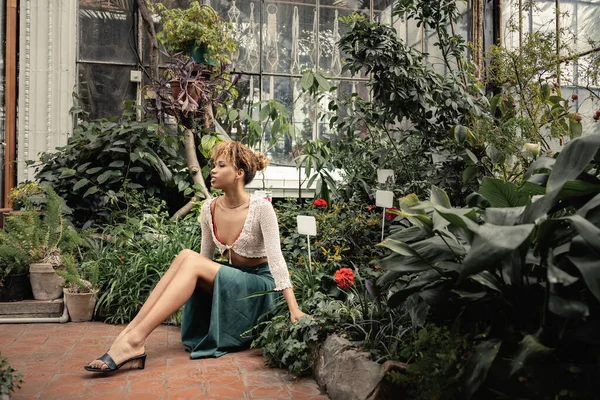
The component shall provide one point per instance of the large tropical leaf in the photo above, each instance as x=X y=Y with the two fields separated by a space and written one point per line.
x=572 y=160
x=530 y=349
x=417 y=308
x=540 y=163
x=491 y=244
x=570 y=163
x=439 y=197
x=503 y=216
x=568 y=308
x=409 y=235
x=416 y=257
x=479 y=364
x=420 y=281
x=587 y=262
x=502 y=194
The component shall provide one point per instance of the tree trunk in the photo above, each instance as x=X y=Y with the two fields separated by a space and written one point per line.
x=191 y=158
x=149 y=24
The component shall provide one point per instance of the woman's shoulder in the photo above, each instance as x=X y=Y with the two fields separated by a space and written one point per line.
x=260 y=202
x=206 y=205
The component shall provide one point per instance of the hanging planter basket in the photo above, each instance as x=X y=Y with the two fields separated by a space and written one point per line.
x=200 y=54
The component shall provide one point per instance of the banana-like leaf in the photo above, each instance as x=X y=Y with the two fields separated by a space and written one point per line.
x=487 y=279
x=479 y=364
x=491 y=244
x=572 y=160
x=567 y=308
x=409 y=235
x=589 y=206
x=439 y=197
x=417 y=257
x=530 y=349
x=588 y=231
x=587 y=262
x=423 y=279
x=540 y=163
x=502 y=194
x=503 y=216
x=417 y=308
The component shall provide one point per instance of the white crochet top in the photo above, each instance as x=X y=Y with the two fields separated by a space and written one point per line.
x=259 y=238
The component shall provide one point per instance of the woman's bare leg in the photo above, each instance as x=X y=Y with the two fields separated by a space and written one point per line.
x=157 y=291
x=180 y=288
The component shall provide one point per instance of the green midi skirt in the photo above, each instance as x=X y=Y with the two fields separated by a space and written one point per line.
x=212 y=325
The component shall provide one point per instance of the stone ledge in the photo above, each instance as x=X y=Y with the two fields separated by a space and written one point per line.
x=32 y=309
x=348 y=374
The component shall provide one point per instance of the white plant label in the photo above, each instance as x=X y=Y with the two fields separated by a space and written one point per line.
x=307 y=225
x=384 y=174
x=384 y=198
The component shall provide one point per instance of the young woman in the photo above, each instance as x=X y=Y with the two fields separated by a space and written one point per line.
x=244 y=229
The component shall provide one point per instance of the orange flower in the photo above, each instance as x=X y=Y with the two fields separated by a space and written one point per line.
x=344 y=277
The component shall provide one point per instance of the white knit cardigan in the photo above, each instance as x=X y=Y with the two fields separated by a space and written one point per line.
x=259 y=238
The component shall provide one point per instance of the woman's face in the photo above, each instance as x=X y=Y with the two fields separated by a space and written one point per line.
x=223 y=174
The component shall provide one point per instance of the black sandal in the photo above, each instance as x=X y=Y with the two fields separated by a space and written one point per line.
x=112 y=366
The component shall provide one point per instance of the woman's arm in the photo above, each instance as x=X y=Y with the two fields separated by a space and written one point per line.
x=295 y=312
x=270 y=231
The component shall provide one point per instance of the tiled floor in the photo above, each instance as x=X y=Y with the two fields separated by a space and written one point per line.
x=51 y=358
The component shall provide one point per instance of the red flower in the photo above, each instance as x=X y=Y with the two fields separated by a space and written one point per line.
x=390 y=215
x=268 y=199
x=371 y=206
x=320 y=203
x=344 y=277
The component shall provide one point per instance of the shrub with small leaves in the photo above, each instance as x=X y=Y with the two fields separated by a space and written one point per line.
x=9 y=378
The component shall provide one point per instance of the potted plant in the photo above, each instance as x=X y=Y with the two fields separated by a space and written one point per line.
x=197 y=31
x=40 y=237
x=81 y=288
x=14 y=281
x=185 y=86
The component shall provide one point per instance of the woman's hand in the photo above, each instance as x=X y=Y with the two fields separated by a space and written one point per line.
x=296 y=314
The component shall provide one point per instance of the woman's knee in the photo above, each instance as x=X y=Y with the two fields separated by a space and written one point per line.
x=199 y=265
x=186 y=253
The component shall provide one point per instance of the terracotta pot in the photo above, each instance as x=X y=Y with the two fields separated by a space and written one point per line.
x=45 y=283
x=176 y=90
x=80 y=305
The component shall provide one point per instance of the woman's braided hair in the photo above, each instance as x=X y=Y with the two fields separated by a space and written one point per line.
x=242 y=157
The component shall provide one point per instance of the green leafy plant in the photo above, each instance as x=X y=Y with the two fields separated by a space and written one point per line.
x=132 y=257
x=80 y=278
x=104 y=160
x=41 y=237
x=196 y=25
x=26 y=195
x=518 y=267
x=435 y=358
x=10 y=380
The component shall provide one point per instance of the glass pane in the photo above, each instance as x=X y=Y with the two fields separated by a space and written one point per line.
x=106 y=31
x=245 y=85
x=288 y=38
x=382 y=11
x=510 y=22
x=281 y=89
x=331 y=30
x=542 y=16
x=343 y=94
x=582 y=22
x=104 y=88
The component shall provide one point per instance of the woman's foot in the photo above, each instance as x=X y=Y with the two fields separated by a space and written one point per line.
x=120 y=351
